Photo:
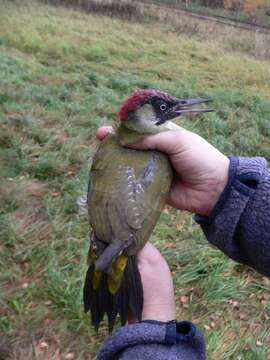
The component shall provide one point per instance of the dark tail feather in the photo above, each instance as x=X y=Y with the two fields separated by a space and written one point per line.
x=93 y=299
x=128 y=298
x=134 y=288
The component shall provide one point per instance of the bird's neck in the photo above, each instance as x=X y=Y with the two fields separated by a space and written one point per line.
x=127 y=136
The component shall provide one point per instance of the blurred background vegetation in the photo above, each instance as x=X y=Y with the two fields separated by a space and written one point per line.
x=251 y=11
x=65 y=67
x=248 y=11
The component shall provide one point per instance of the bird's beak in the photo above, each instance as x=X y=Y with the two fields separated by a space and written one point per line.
x=183 y=106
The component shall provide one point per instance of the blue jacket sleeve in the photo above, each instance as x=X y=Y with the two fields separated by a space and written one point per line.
x=239 y=224
x=150 y=340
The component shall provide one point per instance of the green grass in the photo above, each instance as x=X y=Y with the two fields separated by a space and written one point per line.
x=62 y=74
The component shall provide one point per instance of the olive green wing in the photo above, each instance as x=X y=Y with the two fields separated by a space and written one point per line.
x=131 y=194
x=118 y=192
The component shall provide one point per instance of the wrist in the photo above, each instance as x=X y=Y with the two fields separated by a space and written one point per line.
x=216 y=187
x=163 y=313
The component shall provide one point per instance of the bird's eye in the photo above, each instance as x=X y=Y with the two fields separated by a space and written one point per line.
x=163 y=107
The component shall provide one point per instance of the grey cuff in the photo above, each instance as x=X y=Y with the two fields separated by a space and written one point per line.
x=220 y=226
x=175 y=331
x=131 y=335
x=244 y=175
x=136 y=338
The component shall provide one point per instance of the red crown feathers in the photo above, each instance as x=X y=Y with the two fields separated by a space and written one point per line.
x=137 y=98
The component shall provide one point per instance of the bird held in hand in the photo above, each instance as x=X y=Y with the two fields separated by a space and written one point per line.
x=128 y=189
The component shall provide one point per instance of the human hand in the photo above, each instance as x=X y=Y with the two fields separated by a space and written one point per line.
x=201 y=171
x=158 y=292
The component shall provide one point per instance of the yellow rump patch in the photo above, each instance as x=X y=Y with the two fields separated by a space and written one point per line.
x=118 y=267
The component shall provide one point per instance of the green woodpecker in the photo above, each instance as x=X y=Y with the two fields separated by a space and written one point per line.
x=128 y=190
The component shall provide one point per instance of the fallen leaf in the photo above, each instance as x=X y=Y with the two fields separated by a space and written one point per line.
x=184 y=299
x=70 y=356
x=243 y=316
x=171 y=246
x=212 y=324
x=43 y=345
x=24 y=285
x=56 y=194
x=235 y=304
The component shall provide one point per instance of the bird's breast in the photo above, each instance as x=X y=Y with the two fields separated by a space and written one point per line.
x=151 y=167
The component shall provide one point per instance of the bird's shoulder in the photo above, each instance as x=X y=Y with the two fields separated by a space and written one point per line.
x=111 y=154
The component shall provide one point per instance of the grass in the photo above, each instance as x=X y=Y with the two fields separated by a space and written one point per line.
x=233 y=38
x=62 y=74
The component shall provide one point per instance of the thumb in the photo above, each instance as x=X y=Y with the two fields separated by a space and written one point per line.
x=103 y=131
x=168 y=142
